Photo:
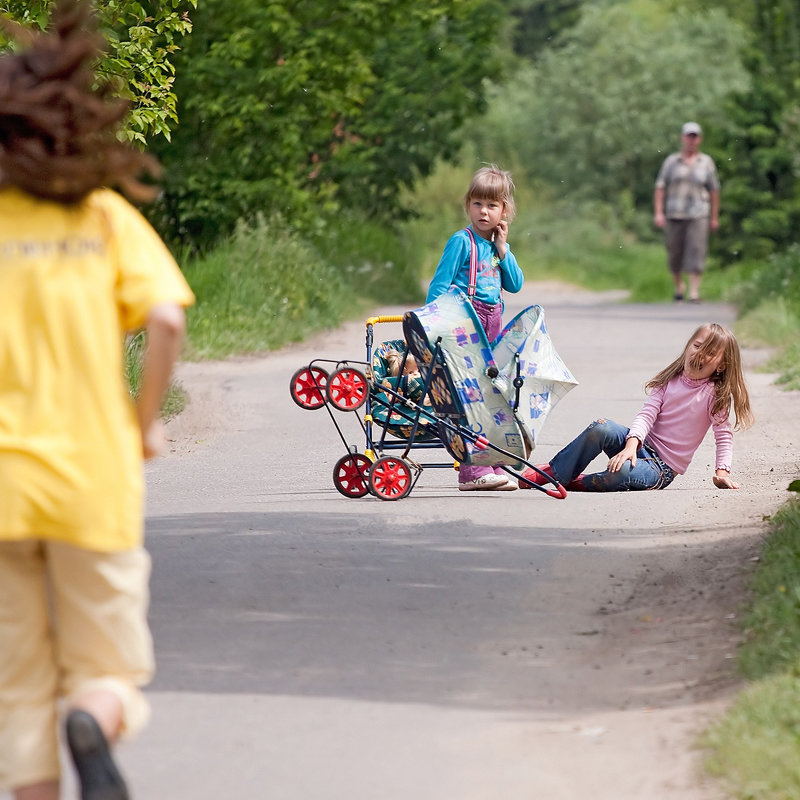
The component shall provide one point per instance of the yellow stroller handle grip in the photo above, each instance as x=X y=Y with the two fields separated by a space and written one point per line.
x=390 y=318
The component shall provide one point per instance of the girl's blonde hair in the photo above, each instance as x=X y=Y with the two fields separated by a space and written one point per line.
x=492 y=183
x=729 y=385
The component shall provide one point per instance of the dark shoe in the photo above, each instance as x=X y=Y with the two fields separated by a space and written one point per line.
x=678 y=298
x=98 y=774
x=695 y=301
x=534 y=477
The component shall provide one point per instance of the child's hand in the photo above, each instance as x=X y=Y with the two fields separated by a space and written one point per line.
x=501 y=238
x=628 y=453
x=722 y=480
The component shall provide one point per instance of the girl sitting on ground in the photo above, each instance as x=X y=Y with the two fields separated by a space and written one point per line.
x=694 y=393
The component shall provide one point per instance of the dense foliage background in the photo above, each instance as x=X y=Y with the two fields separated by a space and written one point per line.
x=143 y=39
x=309 y=108
x=315 y=108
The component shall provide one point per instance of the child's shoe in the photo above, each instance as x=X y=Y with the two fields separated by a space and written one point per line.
x=533 y=476
x=485 y=483
x=98 y=774
x=576 y=484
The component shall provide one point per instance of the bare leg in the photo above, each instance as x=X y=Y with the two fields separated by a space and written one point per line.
x=46 y=790
x=680 y=286
x=105 y=707
x=694 y=285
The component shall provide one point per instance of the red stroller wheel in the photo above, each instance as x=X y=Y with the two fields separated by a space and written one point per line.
x=390 y=478
x=351 y=475
x=347 y=389
x=307 y=387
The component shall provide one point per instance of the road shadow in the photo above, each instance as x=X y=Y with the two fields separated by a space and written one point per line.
x=459 y=615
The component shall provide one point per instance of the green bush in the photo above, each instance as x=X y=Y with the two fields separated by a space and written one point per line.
x=755 y=747
x=777 y=276
x=268 y=285
x=175 y=398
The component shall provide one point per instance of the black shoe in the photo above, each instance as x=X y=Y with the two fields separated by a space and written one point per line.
x=678 y=298
x=99 y=777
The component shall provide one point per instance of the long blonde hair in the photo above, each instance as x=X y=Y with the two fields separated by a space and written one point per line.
x=729 y=385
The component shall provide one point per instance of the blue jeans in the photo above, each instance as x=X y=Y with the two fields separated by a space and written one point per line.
x=605 y=436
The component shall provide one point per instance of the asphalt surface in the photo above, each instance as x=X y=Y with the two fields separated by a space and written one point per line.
x=451 y=646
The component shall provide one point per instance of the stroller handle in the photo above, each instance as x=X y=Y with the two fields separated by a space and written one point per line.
x=390 y=318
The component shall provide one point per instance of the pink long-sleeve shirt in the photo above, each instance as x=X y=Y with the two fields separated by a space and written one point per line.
x=676 y=417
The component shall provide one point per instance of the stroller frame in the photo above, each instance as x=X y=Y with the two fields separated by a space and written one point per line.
x=347 y=388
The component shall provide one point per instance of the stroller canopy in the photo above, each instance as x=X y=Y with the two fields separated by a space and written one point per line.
x=461 y=387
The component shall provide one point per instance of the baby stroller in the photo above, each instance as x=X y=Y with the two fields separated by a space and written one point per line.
x=484 y=404
x=396 y=416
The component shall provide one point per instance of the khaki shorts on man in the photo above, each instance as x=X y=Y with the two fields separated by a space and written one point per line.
x=687 y=245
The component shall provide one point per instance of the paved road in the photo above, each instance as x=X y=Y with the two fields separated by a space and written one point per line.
x=447 y=646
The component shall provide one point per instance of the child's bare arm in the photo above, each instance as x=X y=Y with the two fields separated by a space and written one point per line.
x=165 y=327
x=722 y=480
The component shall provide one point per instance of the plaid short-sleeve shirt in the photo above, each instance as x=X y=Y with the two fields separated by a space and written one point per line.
x=687 y=187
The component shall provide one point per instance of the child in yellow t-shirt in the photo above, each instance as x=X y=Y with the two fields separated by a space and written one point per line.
x=79 y=267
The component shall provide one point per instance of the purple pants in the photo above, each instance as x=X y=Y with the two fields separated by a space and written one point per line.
x=491 y=317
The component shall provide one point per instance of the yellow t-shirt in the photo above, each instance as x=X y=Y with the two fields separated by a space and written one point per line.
x=73 y=280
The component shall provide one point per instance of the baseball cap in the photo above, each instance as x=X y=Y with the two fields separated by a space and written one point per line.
x=691 y=127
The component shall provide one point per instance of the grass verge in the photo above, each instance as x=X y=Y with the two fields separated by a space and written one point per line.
x=269 y=286
x=755 y=748
x=175 y=398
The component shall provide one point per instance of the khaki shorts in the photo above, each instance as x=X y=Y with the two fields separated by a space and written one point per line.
x=71 y=620
x=687 y=244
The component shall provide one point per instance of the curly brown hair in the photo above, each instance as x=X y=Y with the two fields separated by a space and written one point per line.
x=58 y=128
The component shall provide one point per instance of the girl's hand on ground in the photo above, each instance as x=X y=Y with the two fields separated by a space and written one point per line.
x=722 y=480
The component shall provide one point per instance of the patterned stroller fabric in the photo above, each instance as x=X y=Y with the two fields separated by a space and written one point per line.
x=406 y=385
x=463 y=392
x=546 y=378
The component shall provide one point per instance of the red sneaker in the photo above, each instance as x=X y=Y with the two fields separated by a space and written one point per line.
x=533 y=476
x=576 y=484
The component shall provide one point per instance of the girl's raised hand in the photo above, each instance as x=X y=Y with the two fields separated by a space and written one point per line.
x=501 y=237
